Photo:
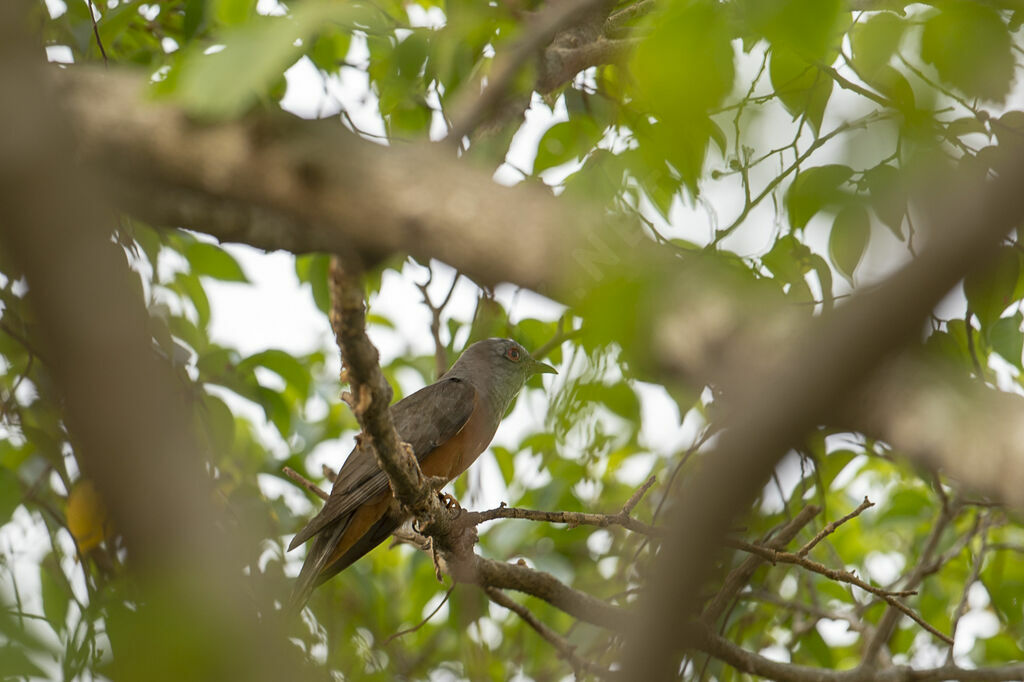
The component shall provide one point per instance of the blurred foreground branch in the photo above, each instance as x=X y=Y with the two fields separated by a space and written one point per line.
x=127 y=414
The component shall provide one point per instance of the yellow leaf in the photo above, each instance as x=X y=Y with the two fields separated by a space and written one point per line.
x=87 y=516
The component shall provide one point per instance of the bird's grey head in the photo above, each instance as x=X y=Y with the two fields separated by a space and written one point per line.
x=497 y=368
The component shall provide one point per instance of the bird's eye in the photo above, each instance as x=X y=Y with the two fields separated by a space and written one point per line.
x=512 y=354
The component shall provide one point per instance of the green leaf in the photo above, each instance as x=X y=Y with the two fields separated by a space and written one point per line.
x=816 y=650
x=218 y=422
x=330 y=49
x=809 y=27
x=283 y=364
x=813 y=190
x=970 y=47
x=1009 y=128
x=312 y=269
x=788 y=259
x=189 y=284
x=255 y=56
x=54 y=592
x=10 y=493
x=15 y=664
x=232 y=12
x=848 y=239
x=990 y=290
x=968 y=125
x=1007 y=340
x=802 y=87
x=195 y=17
x=875 y=41
x=213 y=261
x=895 y=86
x=682 y=70
x=888 y=198
x=564 y=142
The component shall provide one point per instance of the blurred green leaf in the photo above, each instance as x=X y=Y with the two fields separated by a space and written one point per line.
x=802 y=87
x=848 y=239
x=970 y=47
x=10 y=493
x=875 y=41
x=684 y=68
x=284 y=365
x=15 y=664
x=255 y=53
x=990 y=291
x=232 y=12
x=312 y=269
x=213 y=261
x=888 y=198
x=564 y=142
x=815 y=189
x=1006 y=338
x=809 y=27
x=55 y=593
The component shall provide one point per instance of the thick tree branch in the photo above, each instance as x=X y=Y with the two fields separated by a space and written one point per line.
x=519 y=577
x=276 y=182
x=123 y=405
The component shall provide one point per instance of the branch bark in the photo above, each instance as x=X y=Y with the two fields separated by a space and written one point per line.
x=276 y=182
x=124 y=407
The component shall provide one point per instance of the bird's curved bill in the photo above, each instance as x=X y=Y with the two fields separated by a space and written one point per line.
x=541 y=368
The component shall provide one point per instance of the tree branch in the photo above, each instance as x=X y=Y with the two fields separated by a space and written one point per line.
x=468 y=113
x=276 y=182
x=566 y=651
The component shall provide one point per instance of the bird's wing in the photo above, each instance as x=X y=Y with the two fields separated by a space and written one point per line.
x=424 y=420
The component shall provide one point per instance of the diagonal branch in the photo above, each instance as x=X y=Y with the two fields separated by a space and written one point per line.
x=371 y=394
x=565 y=650
x=540 y=30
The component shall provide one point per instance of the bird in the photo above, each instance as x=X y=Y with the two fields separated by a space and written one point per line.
x=447 y=424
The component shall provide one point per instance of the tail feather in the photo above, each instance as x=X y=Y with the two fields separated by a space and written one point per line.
x=315 y=571
x=309 y=577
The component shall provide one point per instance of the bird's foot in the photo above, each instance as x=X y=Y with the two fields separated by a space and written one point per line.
x=449 y=502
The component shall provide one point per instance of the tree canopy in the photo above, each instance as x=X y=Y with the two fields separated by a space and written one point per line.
x=779 y=270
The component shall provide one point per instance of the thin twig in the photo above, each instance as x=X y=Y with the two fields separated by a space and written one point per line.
x=961 y=608
x=96 y=32
x=635 y=498
x=423 y=622
x=891 y=597
x=572 y=519
x=440 y=354
x=305 y=483
x=831 y=527
x=565 y=650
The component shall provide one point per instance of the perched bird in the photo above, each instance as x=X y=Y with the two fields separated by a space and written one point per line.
x=447 y=424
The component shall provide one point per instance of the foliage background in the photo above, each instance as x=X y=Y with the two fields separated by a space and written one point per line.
x=781 y=139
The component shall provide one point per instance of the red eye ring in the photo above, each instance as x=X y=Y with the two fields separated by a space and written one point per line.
x=513 y=354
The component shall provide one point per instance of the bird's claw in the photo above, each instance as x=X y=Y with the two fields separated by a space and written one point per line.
x=449 y=502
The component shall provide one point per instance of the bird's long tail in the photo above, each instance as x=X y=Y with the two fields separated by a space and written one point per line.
x=312 y=567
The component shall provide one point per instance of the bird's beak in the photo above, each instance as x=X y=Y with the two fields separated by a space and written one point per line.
x=541 y=368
